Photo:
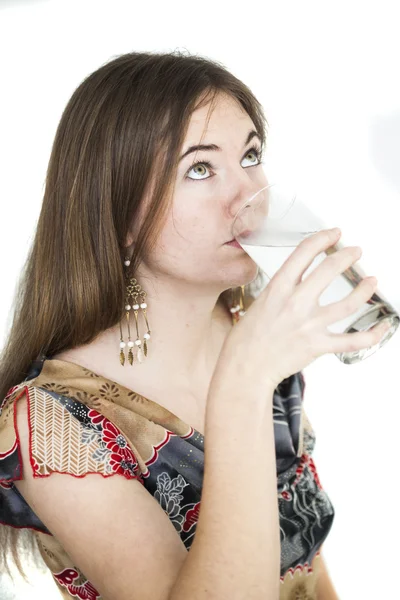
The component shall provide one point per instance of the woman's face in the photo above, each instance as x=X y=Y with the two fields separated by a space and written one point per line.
x=192 y=245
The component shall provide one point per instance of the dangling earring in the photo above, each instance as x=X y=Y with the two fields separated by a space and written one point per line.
x=237 y=303
x=135 y=292
x=242 y=311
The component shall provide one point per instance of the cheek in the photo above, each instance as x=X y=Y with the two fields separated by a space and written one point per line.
x=184 y=239
x=187 y=230
x=192 y=230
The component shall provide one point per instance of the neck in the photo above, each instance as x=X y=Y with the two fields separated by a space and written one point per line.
x=188 y=327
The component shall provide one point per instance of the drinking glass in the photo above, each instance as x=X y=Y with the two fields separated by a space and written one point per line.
x=271 y=224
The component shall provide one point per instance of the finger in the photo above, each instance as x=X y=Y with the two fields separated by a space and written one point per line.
x=289 y=275
x=331 y=313
x=361 y=340
x=332 y=266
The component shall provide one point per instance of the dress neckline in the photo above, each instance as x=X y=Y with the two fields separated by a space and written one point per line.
x=59 y=372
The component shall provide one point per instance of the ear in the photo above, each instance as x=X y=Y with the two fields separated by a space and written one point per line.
x=129 y=241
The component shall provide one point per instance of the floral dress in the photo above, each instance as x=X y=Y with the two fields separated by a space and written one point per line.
x=81 y=422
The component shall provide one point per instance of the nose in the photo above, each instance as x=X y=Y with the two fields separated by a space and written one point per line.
x=243 y=184
x=244 y=193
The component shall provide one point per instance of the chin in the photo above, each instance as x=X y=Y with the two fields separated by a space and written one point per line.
x=241 y=274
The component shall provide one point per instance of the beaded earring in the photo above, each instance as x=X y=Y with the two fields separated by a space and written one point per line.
x=237 y=304
x=134 y=300
x=134 y=292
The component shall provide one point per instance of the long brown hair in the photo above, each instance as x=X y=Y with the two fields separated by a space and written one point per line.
x=123 y=123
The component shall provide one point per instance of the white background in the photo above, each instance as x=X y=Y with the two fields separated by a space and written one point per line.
x=327 y=74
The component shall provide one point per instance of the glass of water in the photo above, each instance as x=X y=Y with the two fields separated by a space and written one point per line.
x=271 y=224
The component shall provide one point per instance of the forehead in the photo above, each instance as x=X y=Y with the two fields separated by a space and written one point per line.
x=226 y=112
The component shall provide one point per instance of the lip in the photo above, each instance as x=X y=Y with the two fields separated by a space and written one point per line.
x=243 y=234
x=233 y=243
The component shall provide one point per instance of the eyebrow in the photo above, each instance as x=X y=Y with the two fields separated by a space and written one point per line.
x=191 y=149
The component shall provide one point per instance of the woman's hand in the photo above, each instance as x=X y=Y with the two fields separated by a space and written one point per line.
x=285 y=328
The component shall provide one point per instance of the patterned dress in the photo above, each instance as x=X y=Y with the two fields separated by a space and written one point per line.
x=81 y=423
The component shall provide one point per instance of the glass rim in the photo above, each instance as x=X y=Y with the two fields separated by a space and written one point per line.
x=247 y=201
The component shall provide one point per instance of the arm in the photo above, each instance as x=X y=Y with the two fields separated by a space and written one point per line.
x=236 y=551
x=325 y=588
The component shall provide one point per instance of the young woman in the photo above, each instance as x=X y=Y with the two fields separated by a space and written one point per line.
x=142 y=363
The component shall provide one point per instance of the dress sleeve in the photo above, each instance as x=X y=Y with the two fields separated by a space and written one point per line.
x=65 y=436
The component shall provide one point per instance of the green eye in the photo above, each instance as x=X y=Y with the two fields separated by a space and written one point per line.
x=255 y=152
x=196 y=166
x=203 y=163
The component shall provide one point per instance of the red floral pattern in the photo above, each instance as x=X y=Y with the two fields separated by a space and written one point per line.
x=191 y=517
x=116 y=442
x=7 y=485
x=95 y=417
x=120 y=456
x=84 y=591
